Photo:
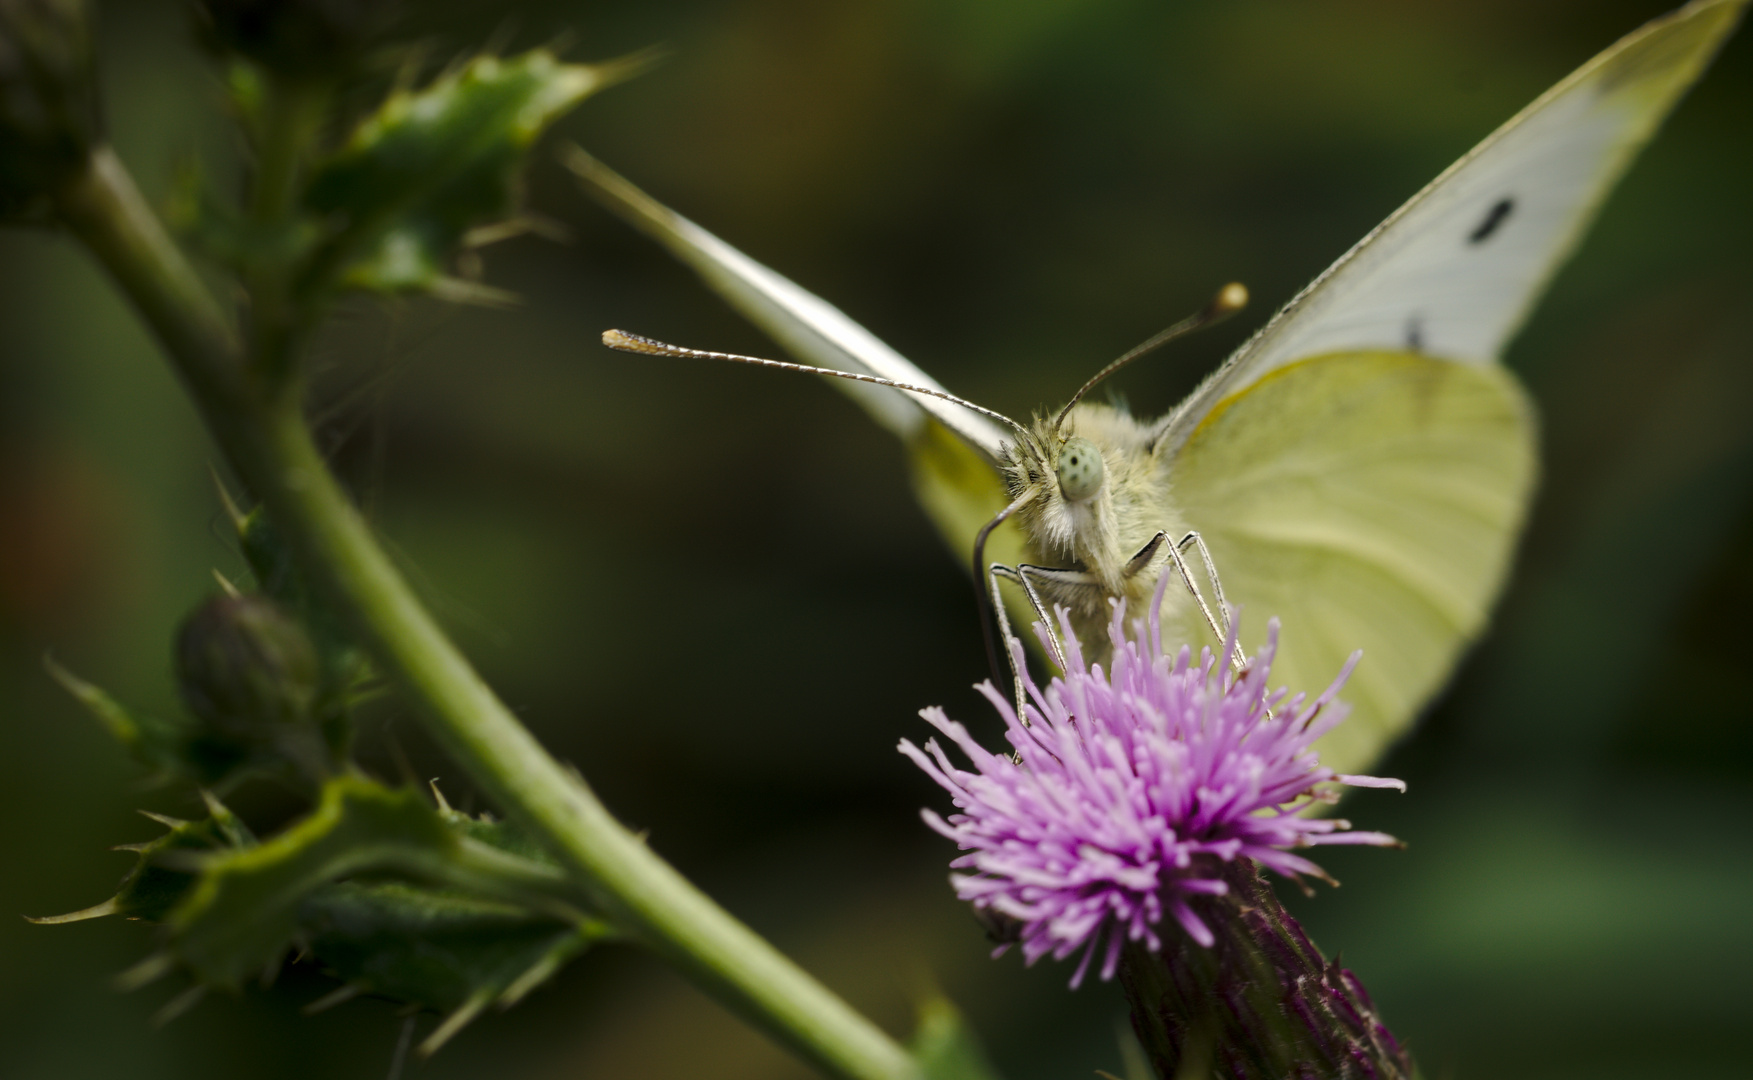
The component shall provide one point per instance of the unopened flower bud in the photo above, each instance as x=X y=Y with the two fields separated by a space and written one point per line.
x=246 y=669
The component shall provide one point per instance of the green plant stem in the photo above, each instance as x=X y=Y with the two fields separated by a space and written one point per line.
x=292 y=116
x=265 y=437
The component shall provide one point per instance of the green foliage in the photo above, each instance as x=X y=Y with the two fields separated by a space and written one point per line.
x=161 y=876
x=269 y=560
x=48 y=100
x=260 y=697
x=170 y=747
x=429 y=165
x=157 y=744
x=160 y=879
x=441 y=948
x=243 y=909
x=391 y=895
x=945 y=1047
x=344 y=666
x=346 y=676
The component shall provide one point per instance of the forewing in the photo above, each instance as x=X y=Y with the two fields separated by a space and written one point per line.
x=1455 y=271
x=1369 y=501
x=809 y=327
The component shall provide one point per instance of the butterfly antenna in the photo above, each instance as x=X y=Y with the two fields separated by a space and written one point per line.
x=1229 y=300
x=634 y=343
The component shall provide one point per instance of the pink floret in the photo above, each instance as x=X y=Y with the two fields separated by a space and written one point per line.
x=1130 y=789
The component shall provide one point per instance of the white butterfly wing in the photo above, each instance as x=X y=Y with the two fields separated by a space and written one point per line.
x=812 y=329
x=1454 y=271
x=1362 y=467
x=1367 y=507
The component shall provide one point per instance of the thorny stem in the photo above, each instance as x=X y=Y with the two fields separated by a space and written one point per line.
x=261 y=429
x=293 y=113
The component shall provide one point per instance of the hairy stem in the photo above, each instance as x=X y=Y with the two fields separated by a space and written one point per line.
x=263 y=433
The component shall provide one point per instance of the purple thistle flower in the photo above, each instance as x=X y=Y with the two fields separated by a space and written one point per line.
x=1131 y=789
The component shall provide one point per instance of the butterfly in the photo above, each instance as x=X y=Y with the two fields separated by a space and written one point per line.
x=1361 y=467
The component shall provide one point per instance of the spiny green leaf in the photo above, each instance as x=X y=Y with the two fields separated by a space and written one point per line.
x=394 y=897
x=504 y=835
x=431 y=164
x=116 y=719
x=152 y=888
x=441 y=947
x=245 y=908
x=170 y=747
x=436 y=947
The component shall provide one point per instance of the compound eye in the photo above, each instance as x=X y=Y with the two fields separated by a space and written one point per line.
x=1080 y=469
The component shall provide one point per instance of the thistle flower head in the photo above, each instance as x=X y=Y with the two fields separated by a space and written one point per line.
x=1130 y=789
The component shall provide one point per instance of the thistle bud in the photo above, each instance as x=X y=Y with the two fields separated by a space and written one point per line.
x=247 y=670
x=1259 y=1003
x=48 y=98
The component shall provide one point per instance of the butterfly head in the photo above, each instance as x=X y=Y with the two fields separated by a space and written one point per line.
x=1080 y=471
x=1056 y=469
x=1061 y=478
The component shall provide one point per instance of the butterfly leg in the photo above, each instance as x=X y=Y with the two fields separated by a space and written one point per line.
x=1026 y=575
x=1146 y=555
x=1006 y=638
x=1217 y=619
x=1019 y=574
x=1195 y=541
x=1029 y=576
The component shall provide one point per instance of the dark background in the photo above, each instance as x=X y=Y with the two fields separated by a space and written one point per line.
x=710 y=589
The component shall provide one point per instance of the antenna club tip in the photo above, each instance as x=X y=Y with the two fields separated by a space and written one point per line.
x=1231 y=298
x=622 y=341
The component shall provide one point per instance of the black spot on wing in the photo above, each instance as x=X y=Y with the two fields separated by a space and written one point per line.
x=1415 y=334
x=1494 y=219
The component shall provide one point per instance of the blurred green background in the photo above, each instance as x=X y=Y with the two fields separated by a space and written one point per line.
x=710 y=589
